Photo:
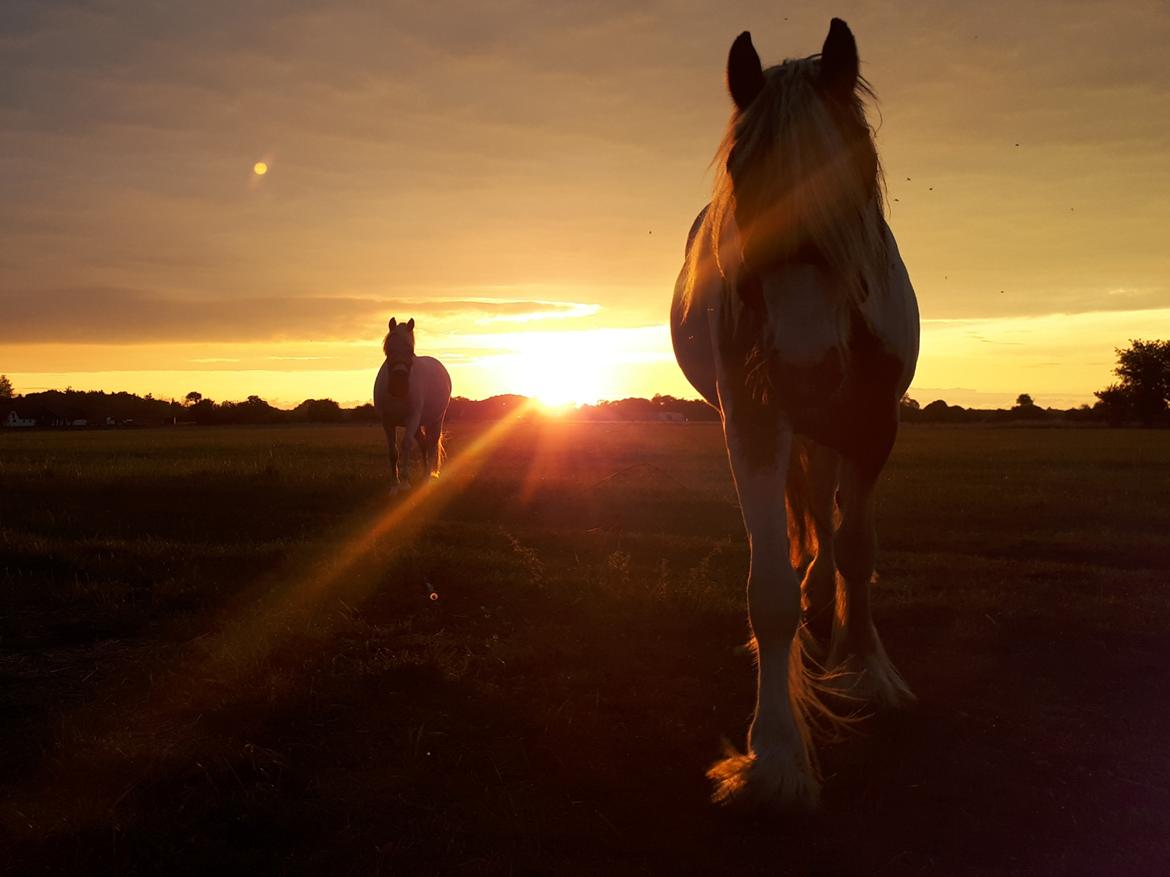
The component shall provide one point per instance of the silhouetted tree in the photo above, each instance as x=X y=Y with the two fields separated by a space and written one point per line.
x=203 y=412
x=1144 y=390
x=256 y=410
x=6 y=391
x=1025 y=408
x=363 y=414
x=193 y=397
x=937 y=410
x=96 y=406
x=909 y=410
x=318 y=411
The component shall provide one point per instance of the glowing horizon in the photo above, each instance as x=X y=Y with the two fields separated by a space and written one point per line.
x=598 y=364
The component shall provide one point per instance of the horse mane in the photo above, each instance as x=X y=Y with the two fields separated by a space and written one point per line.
x=804 y=169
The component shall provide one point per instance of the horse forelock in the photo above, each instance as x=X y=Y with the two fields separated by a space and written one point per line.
x=811 y=175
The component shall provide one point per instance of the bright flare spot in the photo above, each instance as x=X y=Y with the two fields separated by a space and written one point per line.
x=560 y=371
x=260 y=168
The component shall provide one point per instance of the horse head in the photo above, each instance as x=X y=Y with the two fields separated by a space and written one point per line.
x=398 y=346
x=800 y=184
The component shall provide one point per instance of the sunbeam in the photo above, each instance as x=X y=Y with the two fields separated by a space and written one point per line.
x=144 y=726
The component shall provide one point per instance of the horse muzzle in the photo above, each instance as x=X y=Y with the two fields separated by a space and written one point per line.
x=799 y=386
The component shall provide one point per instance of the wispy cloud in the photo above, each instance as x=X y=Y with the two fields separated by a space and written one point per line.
x=545 y=310
x=128 y=316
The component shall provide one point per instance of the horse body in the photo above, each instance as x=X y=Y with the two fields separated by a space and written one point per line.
x=881 y=344
x=411 y=392
x=794 y=316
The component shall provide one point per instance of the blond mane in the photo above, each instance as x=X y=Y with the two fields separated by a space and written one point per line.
x=801 y=166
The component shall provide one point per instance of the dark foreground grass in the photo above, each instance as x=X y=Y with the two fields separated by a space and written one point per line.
x=219 y=650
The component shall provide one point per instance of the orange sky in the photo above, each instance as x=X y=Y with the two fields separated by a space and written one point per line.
x=521 y=180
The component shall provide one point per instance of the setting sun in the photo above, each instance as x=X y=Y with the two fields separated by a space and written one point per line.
x=260 y=168
x=561 y=368
x=557 y=382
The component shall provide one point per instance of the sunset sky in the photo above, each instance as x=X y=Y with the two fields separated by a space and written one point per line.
x=519 y=177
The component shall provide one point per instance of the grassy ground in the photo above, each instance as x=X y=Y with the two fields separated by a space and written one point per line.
x=219 y=648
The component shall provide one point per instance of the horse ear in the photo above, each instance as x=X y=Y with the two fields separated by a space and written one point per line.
x=410 y=325
x=839 y=64
x=393 y=322
x=745 y=74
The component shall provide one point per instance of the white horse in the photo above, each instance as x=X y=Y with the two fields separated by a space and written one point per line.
x=795 y=317
x=412 y=392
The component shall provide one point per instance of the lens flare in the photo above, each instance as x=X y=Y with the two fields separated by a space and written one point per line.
x=260 y=168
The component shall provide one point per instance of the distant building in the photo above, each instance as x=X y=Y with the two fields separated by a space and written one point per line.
x=15 y=421
x=672 y=416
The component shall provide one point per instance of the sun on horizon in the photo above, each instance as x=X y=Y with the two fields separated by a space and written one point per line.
x=558 y=369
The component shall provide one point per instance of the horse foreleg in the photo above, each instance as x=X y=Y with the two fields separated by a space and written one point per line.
x=392 y=449
x=777 y=765
x=409 y=435
x=861 y=670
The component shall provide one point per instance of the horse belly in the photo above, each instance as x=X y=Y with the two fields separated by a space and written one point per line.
x=861 y=419
x=433 y=384
x=690 y=330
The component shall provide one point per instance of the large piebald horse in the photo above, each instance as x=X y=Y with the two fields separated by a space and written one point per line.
x=411 y=392
x=795 y=317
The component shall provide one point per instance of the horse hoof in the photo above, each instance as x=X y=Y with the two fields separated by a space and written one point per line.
x=871 y=681
x=753 y=781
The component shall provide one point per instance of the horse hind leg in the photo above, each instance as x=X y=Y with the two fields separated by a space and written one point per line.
x=420 y=438
x=860 y=668
x=409 y=434
x=435 y=452
x=811 y=496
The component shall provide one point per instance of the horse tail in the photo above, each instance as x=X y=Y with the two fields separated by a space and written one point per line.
x=440 y=449
x=802 y=531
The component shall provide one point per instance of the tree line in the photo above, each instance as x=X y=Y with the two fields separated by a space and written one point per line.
x=1140 y=396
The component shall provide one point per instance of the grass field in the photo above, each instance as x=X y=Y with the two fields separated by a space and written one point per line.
x=219 y=649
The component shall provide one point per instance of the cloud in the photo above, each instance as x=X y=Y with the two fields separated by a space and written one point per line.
x=102 y=315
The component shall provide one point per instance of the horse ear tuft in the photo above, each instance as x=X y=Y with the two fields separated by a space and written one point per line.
x=745 y=74
x=393 y=322
x=840 y=66
x=410 y=324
